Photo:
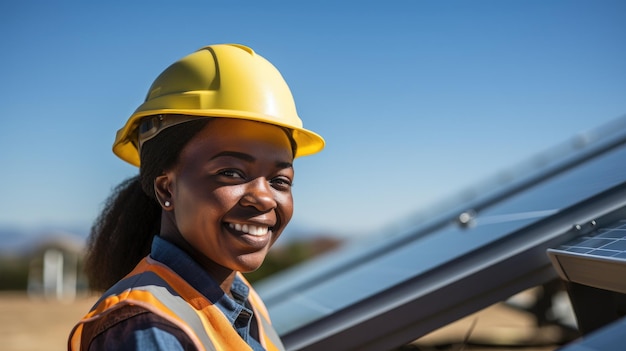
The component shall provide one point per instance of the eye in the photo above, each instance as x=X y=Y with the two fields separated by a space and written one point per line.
x=281 y=183
x=231 y=173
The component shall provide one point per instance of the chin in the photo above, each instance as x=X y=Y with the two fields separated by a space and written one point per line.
x=250 y=264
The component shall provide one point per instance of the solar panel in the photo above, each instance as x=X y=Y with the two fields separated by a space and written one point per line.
x=399 y=286
x=597 y=258
x=605 y=242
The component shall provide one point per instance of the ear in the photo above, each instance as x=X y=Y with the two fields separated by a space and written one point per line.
x=163 y=193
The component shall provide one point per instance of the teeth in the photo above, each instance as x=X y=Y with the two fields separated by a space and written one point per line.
x=249 y=229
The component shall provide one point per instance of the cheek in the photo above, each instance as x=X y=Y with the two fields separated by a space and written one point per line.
x=286 y=206
x=200 y=208
x=226 y=197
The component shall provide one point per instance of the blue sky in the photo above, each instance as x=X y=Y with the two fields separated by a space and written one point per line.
x=417 y=100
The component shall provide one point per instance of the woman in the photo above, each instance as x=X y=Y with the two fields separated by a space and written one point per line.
x=214 y=142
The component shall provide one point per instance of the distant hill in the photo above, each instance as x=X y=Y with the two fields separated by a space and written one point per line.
x=17 y=241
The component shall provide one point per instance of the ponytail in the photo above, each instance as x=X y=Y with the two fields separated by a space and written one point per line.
x=122 y=235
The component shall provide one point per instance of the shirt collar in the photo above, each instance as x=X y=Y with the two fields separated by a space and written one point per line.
x=188 y=269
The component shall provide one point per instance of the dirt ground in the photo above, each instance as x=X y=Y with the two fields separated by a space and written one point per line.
x=496 y=328
x=32 y=325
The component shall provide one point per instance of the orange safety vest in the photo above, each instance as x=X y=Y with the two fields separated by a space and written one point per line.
x=158 y=289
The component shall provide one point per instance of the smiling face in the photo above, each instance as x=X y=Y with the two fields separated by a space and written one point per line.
x=230 y=194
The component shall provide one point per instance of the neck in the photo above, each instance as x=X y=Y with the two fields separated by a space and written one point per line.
x=222 y=275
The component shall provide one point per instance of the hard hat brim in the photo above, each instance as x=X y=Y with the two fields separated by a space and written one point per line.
x=307 y=142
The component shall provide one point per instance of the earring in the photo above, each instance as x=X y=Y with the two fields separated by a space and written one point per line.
x=167 y=203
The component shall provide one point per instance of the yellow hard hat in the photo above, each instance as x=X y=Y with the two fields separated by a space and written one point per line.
x=226 y=80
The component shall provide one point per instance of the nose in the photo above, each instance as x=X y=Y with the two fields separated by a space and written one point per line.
x=259 y=195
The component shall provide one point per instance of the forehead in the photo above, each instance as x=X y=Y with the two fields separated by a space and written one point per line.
x=256 y=138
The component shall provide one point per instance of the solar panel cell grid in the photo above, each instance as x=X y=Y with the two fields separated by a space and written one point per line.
x=605 y=242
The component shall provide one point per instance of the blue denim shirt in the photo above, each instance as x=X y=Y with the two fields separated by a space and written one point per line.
x=237 y=310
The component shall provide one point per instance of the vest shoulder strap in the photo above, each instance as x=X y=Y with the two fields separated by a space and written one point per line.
x=154 y=287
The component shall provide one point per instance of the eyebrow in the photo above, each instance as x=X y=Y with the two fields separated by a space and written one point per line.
x=248 y=158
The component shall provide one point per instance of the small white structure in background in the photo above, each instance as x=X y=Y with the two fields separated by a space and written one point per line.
x=55 y=269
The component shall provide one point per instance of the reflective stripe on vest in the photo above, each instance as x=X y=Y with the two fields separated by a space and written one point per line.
x=156 y=288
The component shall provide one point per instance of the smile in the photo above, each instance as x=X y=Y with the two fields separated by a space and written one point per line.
x=249 y=229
